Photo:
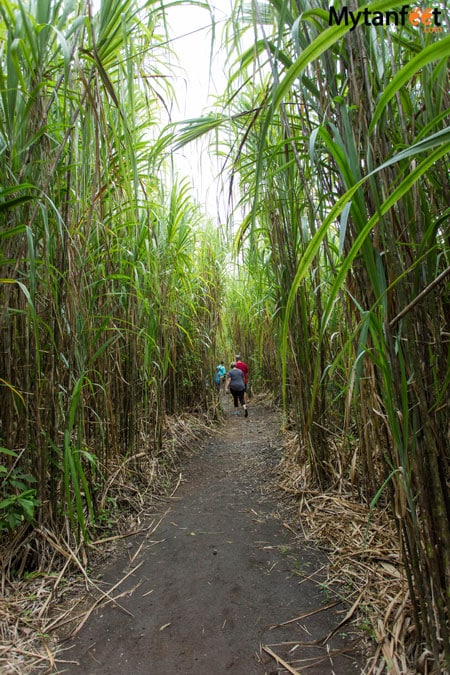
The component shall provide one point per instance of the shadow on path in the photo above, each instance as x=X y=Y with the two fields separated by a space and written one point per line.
x=218 y=576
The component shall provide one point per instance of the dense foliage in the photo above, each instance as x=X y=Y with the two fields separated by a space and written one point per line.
x=343 y=166
x=110 y=278
x=112 y=288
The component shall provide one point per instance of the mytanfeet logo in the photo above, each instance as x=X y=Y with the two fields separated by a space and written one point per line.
x=429 y=19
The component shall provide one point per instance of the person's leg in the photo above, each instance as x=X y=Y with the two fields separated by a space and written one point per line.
x=243 y=403
x=235 y=398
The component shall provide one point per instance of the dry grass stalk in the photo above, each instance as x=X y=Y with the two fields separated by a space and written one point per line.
x=305 y=615
x=34 y=607
x=365 y=560
x=280 y=661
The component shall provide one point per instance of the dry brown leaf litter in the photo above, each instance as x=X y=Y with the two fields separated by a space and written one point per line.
x=33 y=608
x=365 y=563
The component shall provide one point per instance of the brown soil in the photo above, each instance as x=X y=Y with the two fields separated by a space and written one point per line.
x=217 y=578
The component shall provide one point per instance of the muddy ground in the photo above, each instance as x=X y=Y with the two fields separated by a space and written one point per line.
x=224 y=584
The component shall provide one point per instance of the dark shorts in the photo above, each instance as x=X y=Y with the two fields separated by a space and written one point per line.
x=238 y=397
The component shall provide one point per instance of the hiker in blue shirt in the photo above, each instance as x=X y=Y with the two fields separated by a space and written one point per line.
x=220 y=376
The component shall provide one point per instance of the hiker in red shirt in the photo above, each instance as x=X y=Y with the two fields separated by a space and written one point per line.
x=244 y=367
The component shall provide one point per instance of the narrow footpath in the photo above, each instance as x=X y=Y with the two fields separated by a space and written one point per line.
x=223 y=585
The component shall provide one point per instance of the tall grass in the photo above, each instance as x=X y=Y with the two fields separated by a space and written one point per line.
x=110 y=278
x=110 y=290
x=341 y=155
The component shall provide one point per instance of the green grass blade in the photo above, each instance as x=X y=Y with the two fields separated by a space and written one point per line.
x=439 y=50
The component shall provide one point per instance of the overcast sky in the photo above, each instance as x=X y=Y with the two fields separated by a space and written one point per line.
x=191 y=34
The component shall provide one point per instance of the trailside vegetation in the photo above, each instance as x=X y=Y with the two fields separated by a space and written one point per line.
x=117 y=298
x=111 y=277
x=339 y=144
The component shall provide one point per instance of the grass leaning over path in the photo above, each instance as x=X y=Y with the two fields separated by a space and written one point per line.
x=339 y=144
x=110 y=275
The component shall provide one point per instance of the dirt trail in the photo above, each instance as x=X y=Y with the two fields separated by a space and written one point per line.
x=217 y=577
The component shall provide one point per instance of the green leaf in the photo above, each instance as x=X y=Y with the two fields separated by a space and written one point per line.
x=434 y=52
x=7 y=451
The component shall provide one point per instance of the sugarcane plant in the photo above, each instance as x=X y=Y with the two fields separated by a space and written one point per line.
x=333 y=129
x=110 y=277
x=338 y=140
